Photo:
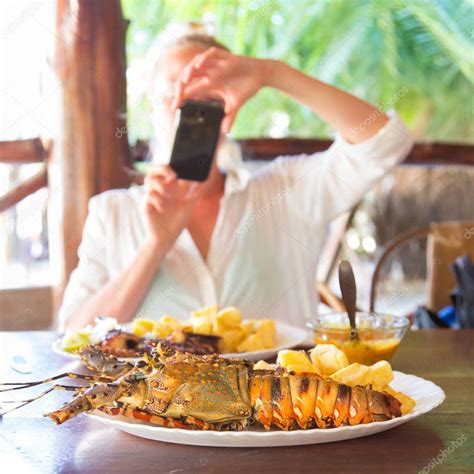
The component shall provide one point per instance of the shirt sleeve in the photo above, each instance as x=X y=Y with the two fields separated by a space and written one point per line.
x=323 y=185
x=91 y=273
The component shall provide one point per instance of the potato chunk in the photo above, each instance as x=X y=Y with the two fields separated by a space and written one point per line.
x=229 y=317
x=165 y=326
x=248 y=327
x=262 y=365
x=230 y=339
x=201 y=325
x=380 y=375
x=327 y=359
x=251 y=343
x=295 y=361
x=267 y=330
x=142 y=326
x=209 y=312
x=407 y=403
x=352 y=375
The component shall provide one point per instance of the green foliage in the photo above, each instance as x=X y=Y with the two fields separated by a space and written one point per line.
x=372 y=48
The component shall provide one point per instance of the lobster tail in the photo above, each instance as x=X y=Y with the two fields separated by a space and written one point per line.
x=382 y=406
x=282 y=405
x=325 y=402
x=308 y=400
x=303 y=396
x=341 y=407
x=270 y=397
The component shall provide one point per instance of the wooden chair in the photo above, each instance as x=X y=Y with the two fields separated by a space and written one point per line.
x=327 y=297
x=446 y=242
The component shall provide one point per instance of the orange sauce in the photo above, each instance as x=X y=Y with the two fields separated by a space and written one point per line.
x=367 y=350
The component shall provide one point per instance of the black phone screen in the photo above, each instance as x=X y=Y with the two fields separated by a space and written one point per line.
x=195 y=141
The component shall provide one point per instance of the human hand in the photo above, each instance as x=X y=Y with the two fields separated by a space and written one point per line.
x=219 y=74
x=168 y=203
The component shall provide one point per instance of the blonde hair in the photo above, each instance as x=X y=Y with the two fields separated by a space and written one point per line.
x=182 y=35
x=179 y=36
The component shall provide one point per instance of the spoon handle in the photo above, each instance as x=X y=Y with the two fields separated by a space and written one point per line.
x=348 y=290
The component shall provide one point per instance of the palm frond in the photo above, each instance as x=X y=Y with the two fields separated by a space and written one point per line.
x=439 y=26
x=372 y=48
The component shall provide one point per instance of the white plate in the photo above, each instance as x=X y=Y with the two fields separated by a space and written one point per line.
x=426 y=394
x=286 y=337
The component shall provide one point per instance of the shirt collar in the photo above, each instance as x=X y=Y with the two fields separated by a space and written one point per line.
x=237 y=179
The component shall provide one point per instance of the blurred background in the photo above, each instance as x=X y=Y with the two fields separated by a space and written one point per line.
x=415 y=56
x=412 y=56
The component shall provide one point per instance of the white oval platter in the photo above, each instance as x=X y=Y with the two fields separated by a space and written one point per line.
x=426 y=394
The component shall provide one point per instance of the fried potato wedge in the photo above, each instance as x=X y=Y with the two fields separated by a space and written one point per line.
x=295 y=361
x=327 y=359
x=352 y=375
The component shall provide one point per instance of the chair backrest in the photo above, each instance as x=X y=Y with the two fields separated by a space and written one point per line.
x=446 y=242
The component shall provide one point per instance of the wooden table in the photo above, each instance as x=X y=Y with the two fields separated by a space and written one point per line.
x=31 y=443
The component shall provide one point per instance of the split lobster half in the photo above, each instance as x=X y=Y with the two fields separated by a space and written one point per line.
x=182 y=390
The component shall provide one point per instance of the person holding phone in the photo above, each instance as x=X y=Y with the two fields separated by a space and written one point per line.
x=250 y=240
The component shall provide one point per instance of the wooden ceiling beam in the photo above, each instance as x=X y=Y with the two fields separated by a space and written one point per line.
x=428 y=154
x=17 y=152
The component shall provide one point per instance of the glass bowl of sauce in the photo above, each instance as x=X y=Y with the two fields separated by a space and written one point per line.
x=379 y=335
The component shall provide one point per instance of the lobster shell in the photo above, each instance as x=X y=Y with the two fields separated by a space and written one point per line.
x=178 y=389
x=308 y=400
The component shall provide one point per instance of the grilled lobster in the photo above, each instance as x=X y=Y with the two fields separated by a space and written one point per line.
x=123 y=344
x=181 y=390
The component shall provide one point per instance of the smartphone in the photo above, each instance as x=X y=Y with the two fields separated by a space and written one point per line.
x=196 y=135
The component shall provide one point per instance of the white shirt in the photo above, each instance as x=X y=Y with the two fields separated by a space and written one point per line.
x=266 y=243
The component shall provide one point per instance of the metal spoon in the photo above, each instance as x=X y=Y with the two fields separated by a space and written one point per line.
x=348 y=290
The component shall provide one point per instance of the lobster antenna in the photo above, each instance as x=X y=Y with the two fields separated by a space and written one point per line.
x=22 y=385
x=42 y=394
